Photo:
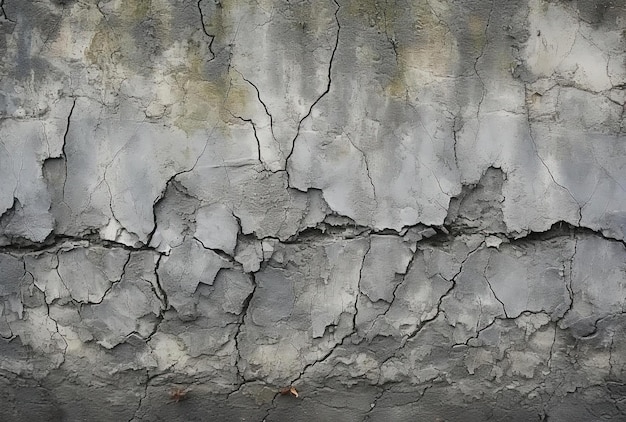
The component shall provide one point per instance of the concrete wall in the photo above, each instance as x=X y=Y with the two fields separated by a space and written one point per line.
x=406 y=210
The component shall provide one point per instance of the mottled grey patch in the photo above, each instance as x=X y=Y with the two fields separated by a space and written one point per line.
x=609 y=13
x=147 y=35
x=479 y=207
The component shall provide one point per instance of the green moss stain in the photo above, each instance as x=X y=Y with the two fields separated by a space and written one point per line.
x=138 y=9
x=215 y=16
x=381 y=14
x=201 y=87
x=423 y=46
x=209 y=94
x=203 y=103
x=136 y=33
x=477 y=25
x=201 y=91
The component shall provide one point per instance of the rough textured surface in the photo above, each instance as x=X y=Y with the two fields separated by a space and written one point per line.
x=407 y=210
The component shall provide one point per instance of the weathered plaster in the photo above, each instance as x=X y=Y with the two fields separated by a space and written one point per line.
x=408 y=210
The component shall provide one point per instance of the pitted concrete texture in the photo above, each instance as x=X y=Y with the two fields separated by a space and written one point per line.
x=328 y=210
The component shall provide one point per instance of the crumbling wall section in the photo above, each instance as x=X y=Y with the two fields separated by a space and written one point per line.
x=405 y=210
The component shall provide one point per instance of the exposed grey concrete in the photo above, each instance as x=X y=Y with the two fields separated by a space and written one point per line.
x=408 y=210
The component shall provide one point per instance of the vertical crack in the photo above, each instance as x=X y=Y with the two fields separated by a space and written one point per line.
x=102 y=12
x=549 y=364
x=258 y=95
x=156 y=202
x=395 y=289
x=142 y=397
x=440 y=301
x=611 y=354
x=4 y=13
x=382 y=391
x=390 y=39
x=64 y=154
x=113 y=283
x=543 y=163
x=56 y=324
x=56 y=268
x=455 y=132
x=480 y=56
x=491 y=287
x=203 y=24
x=568 y=282
x=244 y=312
x=256 y=137
x=495 y=296
x=367 y=167
x=358 y=292
x=343 y=339
x=159 y=286
x=160 y=294
x=326 y=91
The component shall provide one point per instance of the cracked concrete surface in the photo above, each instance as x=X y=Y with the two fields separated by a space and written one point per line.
x=407 y=210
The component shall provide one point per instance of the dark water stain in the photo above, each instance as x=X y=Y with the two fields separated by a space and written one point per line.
x=599 y=13
x=30 y=18
x=63 y=3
